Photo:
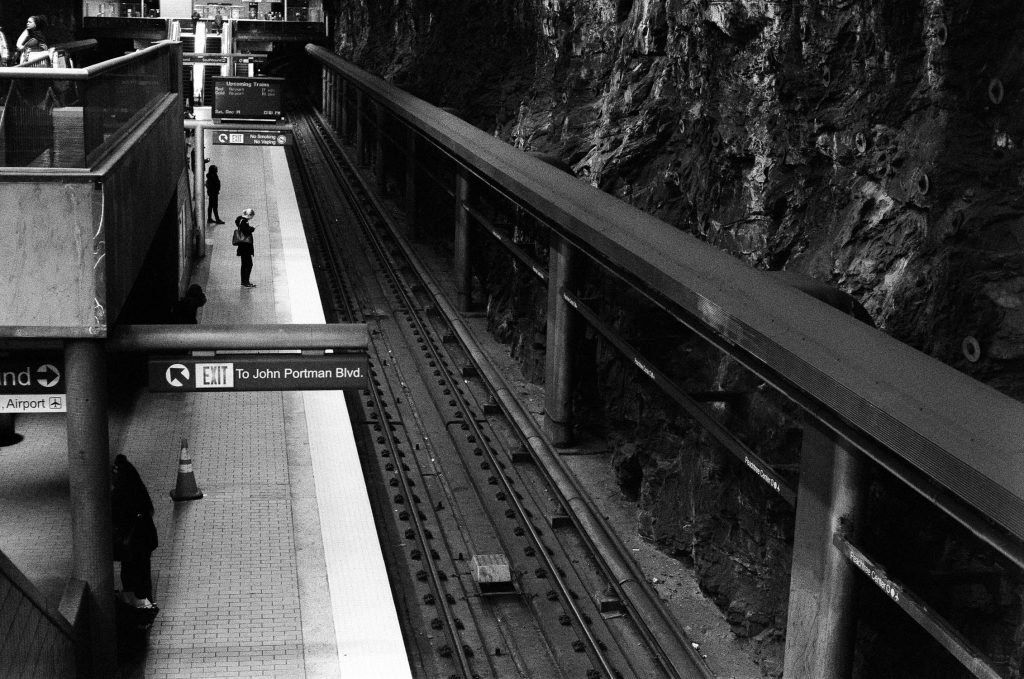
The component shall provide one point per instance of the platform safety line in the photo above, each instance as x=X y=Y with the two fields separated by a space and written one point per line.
x=367 y=631
x=366 y=623
x=303 y=296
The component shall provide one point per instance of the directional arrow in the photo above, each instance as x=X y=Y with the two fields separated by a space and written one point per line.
x=222 y=138
x=47 y=375
x=177 y=375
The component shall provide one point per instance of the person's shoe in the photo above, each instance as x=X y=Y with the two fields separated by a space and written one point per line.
x=218 y=222
x=248 y=285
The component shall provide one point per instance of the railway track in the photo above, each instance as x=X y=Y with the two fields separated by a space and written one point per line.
x=502 y=568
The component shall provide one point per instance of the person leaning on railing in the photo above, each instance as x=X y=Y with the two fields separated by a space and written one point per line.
x=32 y=39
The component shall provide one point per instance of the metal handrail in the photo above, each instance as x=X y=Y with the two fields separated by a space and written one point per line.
x=40 y=73
x=872 y=386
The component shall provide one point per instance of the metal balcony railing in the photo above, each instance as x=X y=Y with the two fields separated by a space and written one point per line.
x=55 y=115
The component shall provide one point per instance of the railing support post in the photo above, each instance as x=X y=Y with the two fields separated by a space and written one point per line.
x=463 y=284
x=343 y=105
x=325 y=93
x=822 y=617
x=360 y=131
x=557 y=357
x=335 y=101
x=378 y=162
x=89 y=477
x=410 y=183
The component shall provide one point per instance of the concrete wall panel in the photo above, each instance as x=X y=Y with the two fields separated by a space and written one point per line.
x=74 y=246
x=50 y=275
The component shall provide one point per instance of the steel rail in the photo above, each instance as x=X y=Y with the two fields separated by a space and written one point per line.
x=938 y=627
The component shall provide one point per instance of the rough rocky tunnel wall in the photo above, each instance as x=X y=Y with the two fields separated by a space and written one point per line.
x=873 y=144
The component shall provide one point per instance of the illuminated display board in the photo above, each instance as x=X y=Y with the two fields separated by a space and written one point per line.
x=247 y=98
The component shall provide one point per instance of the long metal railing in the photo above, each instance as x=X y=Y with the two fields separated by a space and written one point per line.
x=66 y=117
x=946 y=436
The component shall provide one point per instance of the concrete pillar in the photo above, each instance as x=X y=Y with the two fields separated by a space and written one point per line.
x=89 y=474
x=360 y=132
x=822 y=618
x=378 y=162
x=199 y=169
x=325 y=88
x=227 y=40
x=410 y=182
x=557 y=358
x=463 y=285
x=331 y=97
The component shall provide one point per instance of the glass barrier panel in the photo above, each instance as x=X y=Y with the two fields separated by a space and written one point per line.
x=58 y=122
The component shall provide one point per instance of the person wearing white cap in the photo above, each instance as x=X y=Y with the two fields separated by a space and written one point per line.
x=245 y=244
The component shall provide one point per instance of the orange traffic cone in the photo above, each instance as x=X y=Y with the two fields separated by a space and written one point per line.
x=185 y=488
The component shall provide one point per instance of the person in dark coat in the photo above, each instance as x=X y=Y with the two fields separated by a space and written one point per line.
x=134 y=532
x=212 y=192
x=245 y=248
x=186 y=309
x=33 y=38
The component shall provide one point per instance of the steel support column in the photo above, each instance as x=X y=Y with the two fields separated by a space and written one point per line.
x=822 y=620
x=557 y=357
x=411 y=220
x=89 y=476
x=378 y=151
x=360 y=131
x=198 y=166
x=343 y=92
x=463 y=284
x=325 y=93
x=333 y=99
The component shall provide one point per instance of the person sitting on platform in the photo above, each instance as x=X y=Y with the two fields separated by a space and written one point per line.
x=186 y=309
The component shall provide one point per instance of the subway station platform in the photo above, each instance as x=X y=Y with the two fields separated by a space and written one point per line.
x=277 y=570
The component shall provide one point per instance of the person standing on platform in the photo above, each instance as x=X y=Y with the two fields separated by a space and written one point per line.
x=186 y=309
x=212 y=192
x=245 y=244
x=33 y=38
x=134 y=533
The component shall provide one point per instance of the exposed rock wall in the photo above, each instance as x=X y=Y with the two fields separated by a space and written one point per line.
x=873 y=144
